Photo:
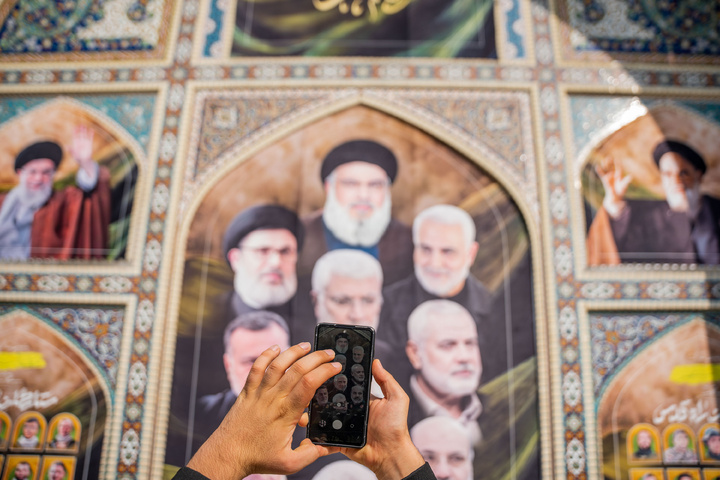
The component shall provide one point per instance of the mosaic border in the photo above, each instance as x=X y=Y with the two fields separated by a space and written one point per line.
x=567 y=55
x=162 y=52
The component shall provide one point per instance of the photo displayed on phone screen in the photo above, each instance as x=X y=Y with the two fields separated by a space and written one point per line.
x=339 y=409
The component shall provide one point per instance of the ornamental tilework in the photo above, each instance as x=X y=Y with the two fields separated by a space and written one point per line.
x=106 y=28
x=607 y=95
x=637 y=30
x=617 y=337
x=97 y=331
x=134 y=112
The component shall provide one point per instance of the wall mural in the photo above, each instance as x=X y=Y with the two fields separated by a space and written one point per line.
x=270 y=253
x=157 y=128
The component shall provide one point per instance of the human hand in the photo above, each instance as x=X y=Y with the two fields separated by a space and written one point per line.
x=81 y=147
x=256 y=434
x=389 y=451
x=615 y=186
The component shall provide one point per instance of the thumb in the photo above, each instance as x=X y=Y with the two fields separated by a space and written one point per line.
x=305 y=454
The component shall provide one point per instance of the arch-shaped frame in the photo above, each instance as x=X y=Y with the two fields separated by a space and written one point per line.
x=199 y=183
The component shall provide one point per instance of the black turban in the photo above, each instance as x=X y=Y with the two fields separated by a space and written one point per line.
x=50 y=150
x=261 y=217
x=681 y=149
x=342 y=335
x=360 y=151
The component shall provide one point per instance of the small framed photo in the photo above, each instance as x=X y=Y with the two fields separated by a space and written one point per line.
x=711 y=474
x=643 y=444
x=5 y=430
x=709 y=443
x=63 y=433
x=29 y=432
x=683 y=474
x=679 y=445
x=21 y=467
x=57 y=468
x=647 y=474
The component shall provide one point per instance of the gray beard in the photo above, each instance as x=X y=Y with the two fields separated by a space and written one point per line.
x=362 y=233
x=29 y=202
x=693 y=198
x=258 y=296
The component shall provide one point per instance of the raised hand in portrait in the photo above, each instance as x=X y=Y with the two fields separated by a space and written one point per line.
x=615 y=185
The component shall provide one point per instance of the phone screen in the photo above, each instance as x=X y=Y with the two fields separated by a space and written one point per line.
x=339 y=409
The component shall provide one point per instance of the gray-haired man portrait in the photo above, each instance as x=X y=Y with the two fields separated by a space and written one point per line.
x=445 y=248
x=443 y=349
x=346 y=289
x=445 y=445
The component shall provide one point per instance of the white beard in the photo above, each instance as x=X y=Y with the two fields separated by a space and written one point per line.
x=693 y=196
x=363 y=233
x=441 y=287
x=257 y=295
x=447 y=384
x=32 y=200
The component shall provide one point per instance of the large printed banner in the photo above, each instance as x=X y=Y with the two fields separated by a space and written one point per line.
x=378 y=28
x=360 y=218
x=651 y=182
x=69 y=167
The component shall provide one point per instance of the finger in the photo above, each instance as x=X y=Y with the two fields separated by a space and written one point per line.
x=625 y=181
x=257 y=372
x=389 y=386
x=297 y=370
x=304 y=419
x=305 y=388
x=277 y=367
x=305 y=454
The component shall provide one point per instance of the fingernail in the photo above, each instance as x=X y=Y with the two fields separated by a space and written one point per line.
x=330 y=353
x=336 y=364
x=304 y=346
x=275 y=348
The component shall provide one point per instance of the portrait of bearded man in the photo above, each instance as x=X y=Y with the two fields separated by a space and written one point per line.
x=357 y=176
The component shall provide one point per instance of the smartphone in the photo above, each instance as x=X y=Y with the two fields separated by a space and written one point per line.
x=339 y=410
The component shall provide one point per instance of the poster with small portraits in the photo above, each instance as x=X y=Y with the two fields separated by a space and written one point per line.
x=679 y=444
x=709 y=443
x=64 y=433
x=21 y=467
x=29 y=432
x=683 y=473
x=5 y=430
x=647 y=474
x=57 y=468
x=643 y=444
x=711 y=474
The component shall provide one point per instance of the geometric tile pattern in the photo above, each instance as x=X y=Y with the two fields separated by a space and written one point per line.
x=554 y=62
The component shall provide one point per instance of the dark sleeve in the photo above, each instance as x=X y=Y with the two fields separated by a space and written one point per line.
x=186 y=473
x=422 y=473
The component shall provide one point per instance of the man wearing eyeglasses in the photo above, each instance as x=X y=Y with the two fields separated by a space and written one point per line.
x=261 y=244
x=347 y=289
x=357 y=176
